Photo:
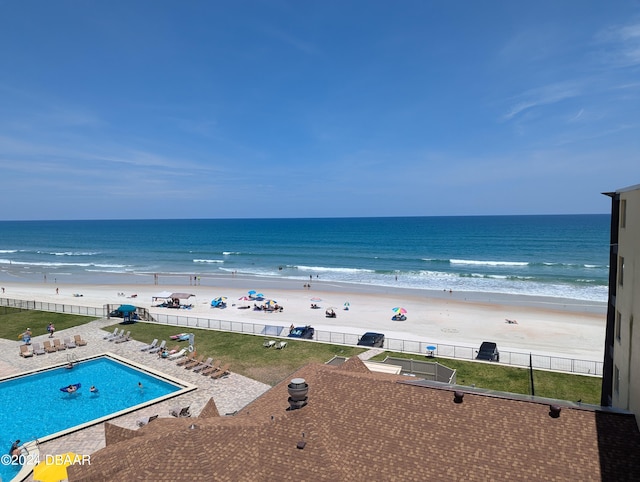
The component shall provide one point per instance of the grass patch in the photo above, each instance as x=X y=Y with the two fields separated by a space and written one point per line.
x=244 y=352
x=14 y=321
x=563 y=386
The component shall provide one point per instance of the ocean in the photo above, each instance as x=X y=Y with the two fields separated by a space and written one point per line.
x=564 y=256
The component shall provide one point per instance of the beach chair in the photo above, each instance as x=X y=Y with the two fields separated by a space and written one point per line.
x=58 y=346
x=118 y=335
x=268 y=343
x=203 y=365
x=111 y=335
x=194 y=363
x=25 y=351
x=68 y=342
x=161 y=346
x=281 y=345
x=37 y=348
x=153 y=344
x=212 y=369
x=124 y=338
x=79 y=341
x=221 y=372
x=180 y=412
x=190 y=357
x=178 y=354
x=146 y=420
x=48 y=347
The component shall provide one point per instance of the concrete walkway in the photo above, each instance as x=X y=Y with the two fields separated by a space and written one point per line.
x=230 y=393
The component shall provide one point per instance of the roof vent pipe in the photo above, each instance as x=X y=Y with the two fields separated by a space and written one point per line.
x=458 y=396
x=298 y=390
x=554 y=411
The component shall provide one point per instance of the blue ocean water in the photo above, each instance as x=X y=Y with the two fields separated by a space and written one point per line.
x=563 y=256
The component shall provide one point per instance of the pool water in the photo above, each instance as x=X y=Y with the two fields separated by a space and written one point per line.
x=34 y=407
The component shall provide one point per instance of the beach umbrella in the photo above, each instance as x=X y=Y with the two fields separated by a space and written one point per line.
x=399 y=309
x=251 y=292
x=347 y=304
x=126 y=308
x=316 y=300
x=244 y=298
x=54 y=467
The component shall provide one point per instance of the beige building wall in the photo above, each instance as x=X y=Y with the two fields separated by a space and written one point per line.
x=626 y=351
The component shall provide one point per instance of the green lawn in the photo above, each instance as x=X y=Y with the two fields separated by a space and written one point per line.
x=248 y=357
x=562 y=386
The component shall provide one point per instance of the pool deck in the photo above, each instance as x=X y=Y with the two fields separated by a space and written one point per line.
x=230 y=393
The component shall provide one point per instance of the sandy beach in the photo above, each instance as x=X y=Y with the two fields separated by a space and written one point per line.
x=545 y=326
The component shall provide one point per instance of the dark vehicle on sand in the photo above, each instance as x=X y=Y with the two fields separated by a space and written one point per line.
x=488 y=351
x=305 y=332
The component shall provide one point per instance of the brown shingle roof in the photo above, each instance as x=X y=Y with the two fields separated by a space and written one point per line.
x=367 y=426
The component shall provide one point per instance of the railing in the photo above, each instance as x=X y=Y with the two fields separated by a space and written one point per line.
x=519 y=359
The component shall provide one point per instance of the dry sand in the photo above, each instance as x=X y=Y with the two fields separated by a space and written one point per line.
x=545 y=326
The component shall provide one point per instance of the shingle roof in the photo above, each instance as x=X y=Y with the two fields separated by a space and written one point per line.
x=368 y=426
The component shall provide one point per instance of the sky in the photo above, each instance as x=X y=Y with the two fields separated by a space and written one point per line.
x=139 y=109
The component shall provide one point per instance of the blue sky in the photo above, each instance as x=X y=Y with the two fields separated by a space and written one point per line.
x=211 y=109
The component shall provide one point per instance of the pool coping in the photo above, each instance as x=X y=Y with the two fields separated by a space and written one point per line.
x=32 y=446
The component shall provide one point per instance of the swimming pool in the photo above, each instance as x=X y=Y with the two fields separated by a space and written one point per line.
x=35 y=408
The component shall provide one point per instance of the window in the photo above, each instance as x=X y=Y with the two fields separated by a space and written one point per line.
x=620 y=271
x=618 y=323
x=616 y=379
x=623 y=213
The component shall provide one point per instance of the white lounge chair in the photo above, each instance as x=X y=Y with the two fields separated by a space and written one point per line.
x=68 y=342
x=145 y=420
x=153 y=344
x=118 y=335
x=124 y=338
x=111 y=335
x=280 y=345
x=159 y=347
x=37 y=348
x=178 y=354
x=268 y=343
x=180 y=412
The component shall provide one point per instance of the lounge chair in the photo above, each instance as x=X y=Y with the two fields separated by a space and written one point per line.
x=124 y=338
x=120 y=334
x=222 y=372
x=203 y=365
x=159 y=347
x=37 y=348
x=48 y=347
x=68 y=342
x=268 y=343
x=280 y=345
x=190 y=357
x=180 y=412
x=194 y=363
x=146 y=420
x=212 y=369
x=25 y=351
x=178 y=354
x=57 y=345
x=153 y=344
x=111 y=335
x=79 y=341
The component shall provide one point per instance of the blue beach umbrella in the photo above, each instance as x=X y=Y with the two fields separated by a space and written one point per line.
x=126 y=308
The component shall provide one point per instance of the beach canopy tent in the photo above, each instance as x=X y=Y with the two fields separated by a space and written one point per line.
x=180 y=296
x=163 y=295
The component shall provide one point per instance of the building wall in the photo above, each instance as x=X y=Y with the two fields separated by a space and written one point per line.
x=626 y=342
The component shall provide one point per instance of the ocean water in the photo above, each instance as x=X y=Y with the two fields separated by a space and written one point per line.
x=563 y=256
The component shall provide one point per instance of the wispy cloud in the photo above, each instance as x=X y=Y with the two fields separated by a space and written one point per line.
x=619 y=46
x=545 y=95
